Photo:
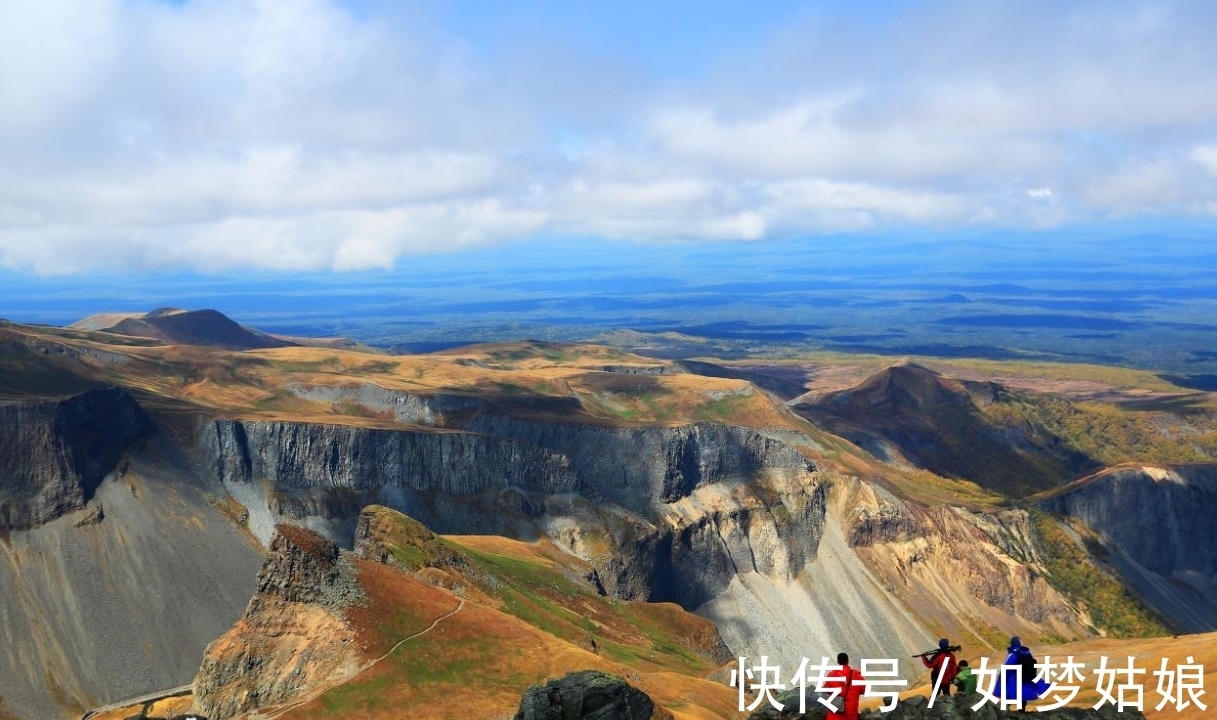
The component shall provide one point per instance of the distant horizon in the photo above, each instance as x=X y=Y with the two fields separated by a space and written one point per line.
x=1144 y=301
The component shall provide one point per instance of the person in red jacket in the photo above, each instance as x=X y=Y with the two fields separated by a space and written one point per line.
x=852 y=685
x=941 y=662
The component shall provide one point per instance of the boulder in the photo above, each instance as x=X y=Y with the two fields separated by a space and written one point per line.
x=586 y=695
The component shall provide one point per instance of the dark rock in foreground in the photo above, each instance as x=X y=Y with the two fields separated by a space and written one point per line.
x=586 y=695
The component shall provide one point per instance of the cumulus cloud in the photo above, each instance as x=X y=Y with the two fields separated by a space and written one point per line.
x=219 y=134
x=1206 y=157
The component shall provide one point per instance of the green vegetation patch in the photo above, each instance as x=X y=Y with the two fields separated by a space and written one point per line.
x=721 y=409
x=1113 y=435
x=1072 y=571
x=543 y=597
x=329 y=364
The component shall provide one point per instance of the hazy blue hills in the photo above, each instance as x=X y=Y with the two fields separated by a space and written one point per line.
x=1148 y=301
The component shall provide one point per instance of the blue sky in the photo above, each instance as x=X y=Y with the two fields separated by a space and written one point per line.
x=219 y=136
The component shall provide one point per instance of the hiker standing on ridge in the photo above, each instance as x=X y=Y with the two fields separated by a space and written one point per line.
x=852 y=685
x=1020 y=683
x=942 y=665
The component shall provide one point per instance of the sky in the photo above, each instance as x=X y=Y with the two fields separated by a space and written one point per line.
x=212 y=136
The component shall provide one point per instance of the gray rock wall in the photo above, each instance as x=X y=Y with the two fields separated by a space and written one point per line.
x=636 y=493
x=96 y=612
x=638 y=467
x=1164 y=518
x=303 y=455
x=54 y=454
x=1157 y=527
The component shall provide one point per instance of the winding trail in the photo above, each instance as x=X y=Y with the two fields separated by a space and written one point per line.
x=271 y=714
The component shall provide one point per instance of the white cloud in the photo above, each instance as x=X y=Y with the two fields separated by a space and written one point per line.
x=344 y=240
x=1139 y=188
x=1206 y=157
x=214 y=134
x=813 y=138
x=818 y=204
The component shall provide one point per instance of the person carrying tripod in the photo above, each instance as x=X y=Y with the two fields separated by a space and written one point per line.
x=942 y=665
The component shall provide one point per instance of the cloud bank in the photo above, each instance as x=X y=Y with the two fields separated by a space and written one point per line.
x=316 y=135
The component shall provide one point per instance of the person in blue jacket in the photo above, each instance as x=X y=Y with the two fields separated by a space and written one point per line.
x=1008 y=685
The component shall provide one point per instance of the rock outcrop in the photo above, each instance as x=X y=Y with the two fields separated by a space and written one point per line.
x=432 y=410
x=1173 y=568
x=969 y=574
x=293 y=636
x=588 y=695
x=54 y=453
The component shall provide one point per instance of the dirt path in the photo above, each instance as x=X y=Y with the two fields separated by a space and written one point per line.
x=271 y=714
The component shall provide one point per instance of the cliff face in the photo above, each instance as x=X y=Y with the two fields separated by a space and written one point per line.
x=309 y=456
x=732 y=522
x=54 y=454
x=293 y=636
x=637 y=468
x=726 y=519
x=974 y=575
x=124 y=604
x=1179 y=503
x=663 y=513
x=1174 y=567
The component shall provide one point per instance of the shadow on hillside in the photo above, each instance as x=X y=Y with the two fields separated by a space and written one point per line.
x=1201 y=382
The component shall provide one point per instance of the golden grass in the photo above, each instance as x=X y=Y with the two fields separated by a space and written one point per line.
x=257 y=384
x=479 y=661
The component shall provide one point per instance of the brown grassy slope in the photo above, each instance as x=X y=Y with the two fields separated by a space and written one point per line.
x=558 y=382
x=523 y=619
x=908 y=413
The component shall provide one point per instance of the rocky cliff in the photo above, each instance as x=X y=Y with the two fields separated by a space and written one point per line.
x=637 y=468
x=54 y=453
x=1174 y=567
x=293 y=636
x=972 y=575
x=100 y=606
x=310 y=456
x=726 y=520
x=664 y=513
